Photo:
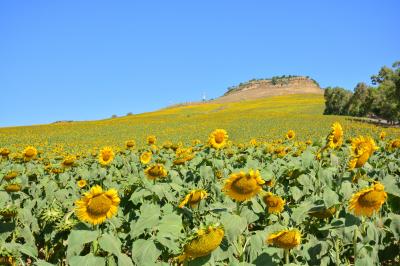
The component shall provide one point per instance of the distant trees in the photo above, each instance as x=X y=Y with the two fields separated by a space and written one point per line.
x=381 y=100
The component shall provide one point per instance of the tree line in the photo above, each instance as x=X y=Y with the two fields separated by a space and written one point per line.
x=381 y=100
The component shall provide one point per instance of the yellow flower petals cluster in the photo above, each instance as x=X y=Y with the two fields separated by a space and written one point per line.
x=290 y=134
x=97 y=205
x=106 y=156
x=361 y=149
x=368 y=200
x=29 y=153
x=335 y=137
x=275 y=204
x=145 y=157
x=218 y=139
x=193 y=198
x=155 y=171
x=151 y=140
x=243 y=186
x=286 y=239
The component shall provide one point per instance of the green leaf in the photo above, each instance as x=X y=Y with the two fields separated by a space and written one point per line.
x=110 y=244
x=149 y=218
x=170 y=226
x=330 y=197
x=395 y=225
x=390 y=185
x=144 y=252
x=43 y=263
x=76 y=240
x=124 y=260
x=234 y=225
x=29 y=250
x=89 y=259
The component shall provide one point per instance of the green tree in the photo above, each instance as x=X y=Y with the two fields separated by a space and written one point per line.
x=336 y=100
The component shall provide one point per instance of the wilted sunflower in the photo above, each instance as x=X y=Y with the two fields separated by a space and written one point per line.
x=193 y=198
x=203 y=243
x=155 y=171
x=286 y=239
x=335 y=137
x=151 y=140
x=368 y=200
x=394 y=144
x=29 y=153
x=274 y=203
x=145 y=158
x=361 y=149
x=69 y=160
x=130 y=144
x=81 y=183
x=218 y=138
x=97 y=205
x=290 y=134
x=382 y=135
x=241 y=186
x=106 y=156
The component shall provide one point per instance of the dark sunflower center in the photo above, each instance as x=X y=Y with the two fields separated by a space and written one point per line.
x=245 y=185
x=29 y=153
x=219 y=137
x=99 y=205
x=371 y=199
x=106 y=156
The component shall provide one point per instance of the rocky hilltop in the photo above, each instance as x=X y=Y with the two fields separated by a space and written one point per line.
x=261 y=88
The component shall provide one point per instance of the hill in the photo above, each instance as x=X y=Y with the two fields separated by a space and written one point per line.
x=263 y=119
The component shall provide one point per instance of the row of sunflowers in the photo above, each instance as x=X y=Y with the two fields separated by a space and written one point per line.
x=332 y=201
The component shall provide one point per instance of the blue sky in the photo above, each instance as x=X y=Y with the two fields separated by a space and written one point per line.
x=83 y=60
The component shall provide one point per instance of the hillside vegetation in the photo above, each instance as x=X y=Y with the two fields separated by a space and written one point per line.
x=262 y=119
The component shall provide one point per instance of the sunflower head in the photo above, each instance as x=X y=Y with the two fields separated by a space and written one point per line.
x=97 y=205
x=14 y=187
x=308 y=142
x=155 y=171
x=335 y=137
x=286 y=239
x=382 y=135
x=106 y=156
x=10 y=175
x=29 y=153
x=4 y=152
x=361 y=149
x=218 y=138
x=183 y=155
x=8 y=212
x=193 y=198
x=275 y=204
x=243 y=186
x=202 y=243
x=81 y=183
x=145 y=157
x=394 y=144
x=368 y=201
x=130 y=144
x=151 y=139
x=290 y=134
x=69 y=160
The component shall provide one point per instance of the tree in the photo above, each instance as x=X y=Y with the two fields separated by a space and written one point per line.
x=361 y=100
x=336 y=100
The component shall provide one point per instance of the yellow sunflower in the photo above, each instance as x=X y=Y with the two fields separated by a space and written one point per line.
x=218 y=138
x=81 y=183
x=151 y=140
x=203 y=243
x=382 y=135
x=335 y=137
x=193 y=198
x=308 y=142
x=145 y=158
x=5 y=152
x=97 y=205
x=155 y=171
x=241 y=186
x=274 y=203
x=10 y=175
x=12 y=188
x=130 y=144
x=106 y=156
x=69 y=160
x=394 y=144
x=368 y=200
x=361 y=149
x=183 y=155
x=286 y=239
x=29 y=153
x=290 y=134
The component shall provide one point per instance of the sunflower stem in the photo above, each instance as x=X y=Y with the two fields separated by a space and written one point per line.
x=355 y=244
x=337 y=249
x=287 y=253
x=238 y=208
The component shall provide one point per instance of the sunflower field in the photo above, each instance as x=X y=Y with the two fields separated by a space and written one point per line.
x=332 y=200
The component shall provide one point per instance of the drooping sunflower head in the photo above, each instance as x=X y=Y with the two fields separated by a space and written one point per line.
x=145 y=157
x=286 y=239
x=322 y=212
x=369 y=200
x=183 y=155
x=308 y=142
x=382 y=135
x=130 y=144
x=29 y=153
x=275 y=204
x=218 y=138
x=243 y=186
x=97 y=205
x=69 y=160
x=193 y=198
x=202 y=243
x=361 y=149
x=155 y=171
x=13 y=187
x=290 y=134
x=151 y=139
x=81 y=183
x=335 y=137
x=106 y=156
x=10 y=175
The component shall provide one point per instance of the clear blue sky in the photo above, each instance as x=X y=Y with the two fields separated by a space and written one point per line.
x=81 y=60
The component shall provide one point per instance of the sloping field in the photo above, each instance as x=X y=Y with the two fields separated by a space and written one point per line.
x=263 y=119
